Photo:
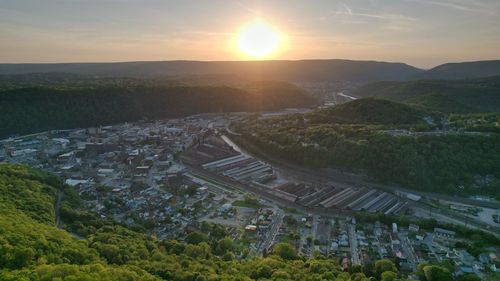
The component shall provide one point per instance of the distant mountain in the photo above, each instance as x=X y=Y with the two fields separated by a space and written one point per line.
x=458 y=96
x=462 y=70
x=369 y=111
x=284 y=70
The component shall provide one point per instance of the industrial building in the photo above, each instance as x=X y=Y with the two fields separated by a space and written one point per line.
x=248 y=170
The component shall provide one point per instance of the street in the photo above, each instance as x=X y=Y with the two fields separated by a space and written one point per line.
x=353 y=241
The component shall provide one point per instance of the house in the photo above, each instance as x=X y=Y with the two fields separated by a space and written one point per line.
x=250 y=228
x=464 y=270
x=225 y=208
x=413 y=228
x=420 y=236
x=345 y=264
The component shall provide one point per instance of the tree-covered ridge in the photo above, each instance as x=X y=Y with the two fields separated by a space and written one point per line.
x=39 y=106
x=440 y=156
x=283 y=70
x=35 y=250
x=369 y=111
x=460 y=96
x=463 y=70
x=27 y=234
x=28 y=192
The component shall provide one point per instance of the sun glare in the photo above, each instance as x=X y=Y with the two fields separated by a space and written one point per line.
x=258 y=40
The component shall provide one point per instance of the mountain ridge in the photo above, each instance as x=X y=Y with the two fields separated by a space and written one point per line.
x=305 y=70
x=449 y=96
x=463 y=70
x=286 y=70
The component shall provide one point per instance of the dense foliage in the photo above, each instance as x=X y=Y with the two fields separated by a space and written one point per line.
x=33 y=105
x=370 y=111
x=419 y=156
x=463 y=96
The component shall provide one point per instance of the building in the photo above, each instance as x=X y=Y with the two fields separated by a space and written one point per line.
x=413 y=228
x=250 y=228
x=443 y=234
x=225 y=208
x=345 y=264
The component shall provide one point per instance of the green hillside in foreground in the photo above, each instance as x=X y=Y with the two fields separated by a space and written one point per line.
x=32 y=248
x=28 y=106
x=458 y=96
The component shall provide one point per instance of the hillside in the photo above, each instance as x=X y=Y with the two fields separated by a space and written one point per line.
x=461 y=96
x=462 y=70
x=301 y=70
x=34 y=107
x=390 y=143
x=32 y=248
x=370 y=111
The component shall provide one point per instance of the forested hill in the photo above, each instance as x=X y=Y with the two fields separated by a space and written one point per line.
x=463 y=70
x=283 y=70
x=391 y=143
x=32 y=248
x=460 y=96
x=28 y=107
x=370 y=111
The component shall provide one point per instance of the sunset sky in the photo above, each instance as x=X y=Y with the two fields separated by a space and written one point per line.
x=423 y=33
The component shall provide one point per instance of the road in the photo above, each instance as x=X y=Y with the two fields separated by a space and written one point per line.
x=314 y=233
x=271 y=234
x=264 y=193
x=347 y=96
x=353 y=241
x=454 y=219
x=421 y=210
x=57 y=209
x=346 y=179
x=408 y=250
x=57 y=214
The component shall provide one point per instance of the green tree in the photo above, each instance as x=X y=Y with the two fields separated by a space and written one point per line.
x=469 y=277
x=388 y=276
x=200 y=251
x=224 y=245
x=437 y=273
x=196 y=238
x=382 y=266
x=285 y=250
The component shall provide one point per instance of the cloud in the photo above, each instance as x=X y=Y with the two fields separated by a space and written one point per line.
x=485 y=7
x=348 y=11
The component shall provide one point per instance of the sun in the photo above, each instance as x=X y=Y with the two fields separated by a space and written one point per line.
x=258 y=40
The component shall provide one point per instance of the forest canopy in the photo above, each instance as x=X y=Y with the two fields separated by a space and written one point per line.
x=36 y=105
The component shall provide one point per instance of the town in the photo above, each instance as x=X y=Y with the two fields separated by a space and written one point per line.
x=170 y=176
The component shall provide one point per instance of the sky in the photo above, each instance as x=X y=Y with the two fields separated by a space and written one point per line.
x=423 y=33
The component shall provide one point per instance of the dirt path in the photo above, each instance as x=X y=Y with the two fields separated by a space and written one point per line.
x=57 y=209
x=57 y=214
